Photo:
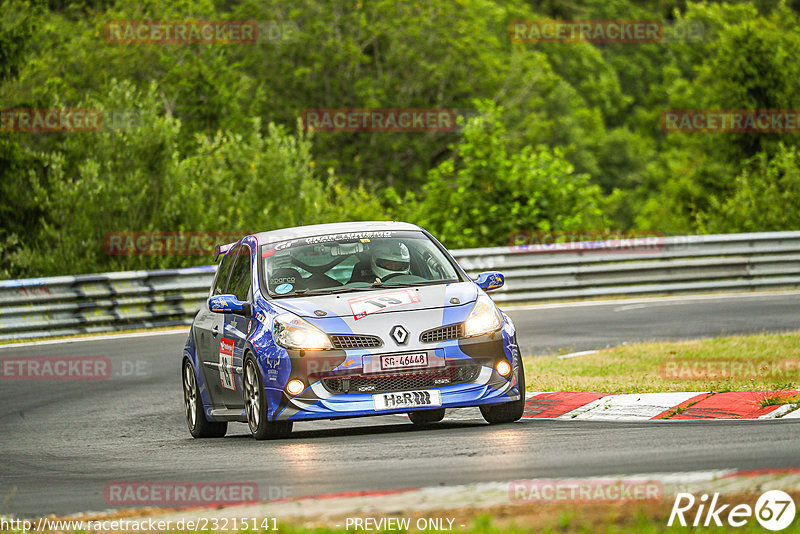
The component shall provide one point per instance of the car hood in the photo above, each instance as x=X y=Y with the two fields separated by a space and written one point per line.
x=362 y=307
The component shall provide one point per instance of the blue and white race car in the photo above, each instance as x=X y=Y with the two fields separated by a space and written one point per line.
x=346 y=320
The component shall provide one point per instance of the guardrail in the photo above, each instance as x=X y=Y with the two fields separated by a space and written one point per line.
x=65 y=305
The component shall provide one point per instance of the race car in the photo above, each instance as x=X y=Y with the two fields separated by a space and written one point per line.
x=346 y=320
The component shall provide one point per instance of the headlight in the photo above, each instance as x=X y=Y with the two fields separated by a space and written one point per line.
x=483 y=319
x=292 y=332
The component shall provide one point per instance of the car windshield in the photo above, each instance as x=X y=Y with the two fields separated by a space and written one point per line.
x=353 y=262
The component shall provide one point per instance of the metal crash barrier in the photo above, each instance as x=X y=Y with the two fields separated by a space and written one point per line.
x=65 y=305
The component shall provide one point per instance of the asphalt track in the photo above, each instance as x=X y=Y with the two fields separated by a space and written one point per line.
x=61 y=442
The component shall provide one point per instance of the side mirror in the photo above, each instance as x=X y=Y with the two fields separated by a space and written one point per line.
x=490 y=280
x=229 y=304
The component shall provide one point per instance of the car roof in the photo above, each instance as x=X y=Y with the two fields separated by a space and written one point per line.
x=332 y=228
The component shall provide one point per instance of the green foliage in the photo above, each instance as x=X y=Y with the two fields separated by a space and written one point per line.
x=766 y=196
x=132 y=178
x=571 y=142
x=486 y=193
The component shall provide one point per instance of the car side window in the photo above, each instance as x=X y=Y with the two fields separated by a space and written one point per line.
x=223 y=272
x=240 y=276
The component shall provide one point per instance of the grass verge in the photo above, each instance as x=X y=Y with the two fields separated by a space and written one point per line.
x=764 y=362
x=549 y=517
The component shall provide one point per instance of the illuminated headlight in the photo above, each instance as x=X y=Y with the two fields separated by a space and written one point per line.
x=292 y=332
x=295 y=387
x=503 y=368
x=483 y=319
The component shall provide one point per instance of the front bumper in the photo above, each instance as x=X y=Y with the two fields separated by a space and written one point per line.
x=482 y=386
x=489 y=388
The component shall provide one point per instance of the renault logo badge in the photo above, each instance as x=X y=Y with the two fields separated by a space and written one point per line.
x=399 y=334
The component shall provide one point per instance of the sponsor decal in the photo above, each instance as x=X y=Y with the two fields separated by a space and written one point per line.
x=283 y=289
x=407 y=399
x=495 y=281
x=345 y=237
x=283 y=280
x=369 y=304
x=226 y=364
x=268 y=253
x=272 y=371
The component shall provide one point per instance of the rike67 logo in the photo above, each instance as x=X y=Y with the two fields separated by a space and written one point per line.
x=774 y=510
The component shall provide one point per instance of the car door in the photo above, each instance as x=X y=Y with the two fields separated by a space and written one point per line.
x=208 y=328
x=236 y=329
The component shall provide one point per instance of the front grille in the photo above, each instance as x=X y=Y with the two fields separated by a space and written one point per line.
x=356 y=341
x=443 y=333
x=406 y=381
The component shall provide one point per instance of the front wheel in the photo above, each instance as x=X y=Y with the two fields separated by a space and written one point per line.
x=510 y=411
x=426 y=417
x=255 y=404
x=199 y=426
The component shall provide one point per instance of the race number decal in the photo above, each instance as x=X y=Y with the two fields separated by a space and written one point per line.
x=226 y=364
x=363 y=306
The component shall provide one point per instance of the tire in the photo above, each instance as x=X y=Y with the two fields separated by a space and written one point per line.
x=199 y=426
x=426 y=417
x=507 y=412
x=255 y=405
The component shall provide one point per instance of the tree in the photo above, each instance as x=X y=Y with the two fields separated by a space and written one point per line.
x=485 y=194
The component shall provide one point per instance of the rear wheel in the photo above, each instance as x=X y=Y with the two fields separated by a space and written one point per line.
x=426 y=417
x=255 y=404
x=199 y=426
x=510 y=411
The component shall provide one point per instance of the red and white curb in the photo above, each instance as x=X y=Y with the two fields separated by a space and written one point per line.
x=747 y=405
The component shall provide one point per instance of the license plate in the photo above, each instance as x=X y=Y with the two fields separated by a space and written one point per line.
x=407 y=399
x=404 y=361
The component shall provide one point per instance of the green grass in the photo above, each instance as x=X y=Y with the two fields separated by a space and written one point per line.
x=765 y=362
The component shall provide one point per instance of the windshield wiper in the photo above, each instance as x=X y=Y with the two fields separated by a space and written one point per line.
x=332 y=290
x=414 y=284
